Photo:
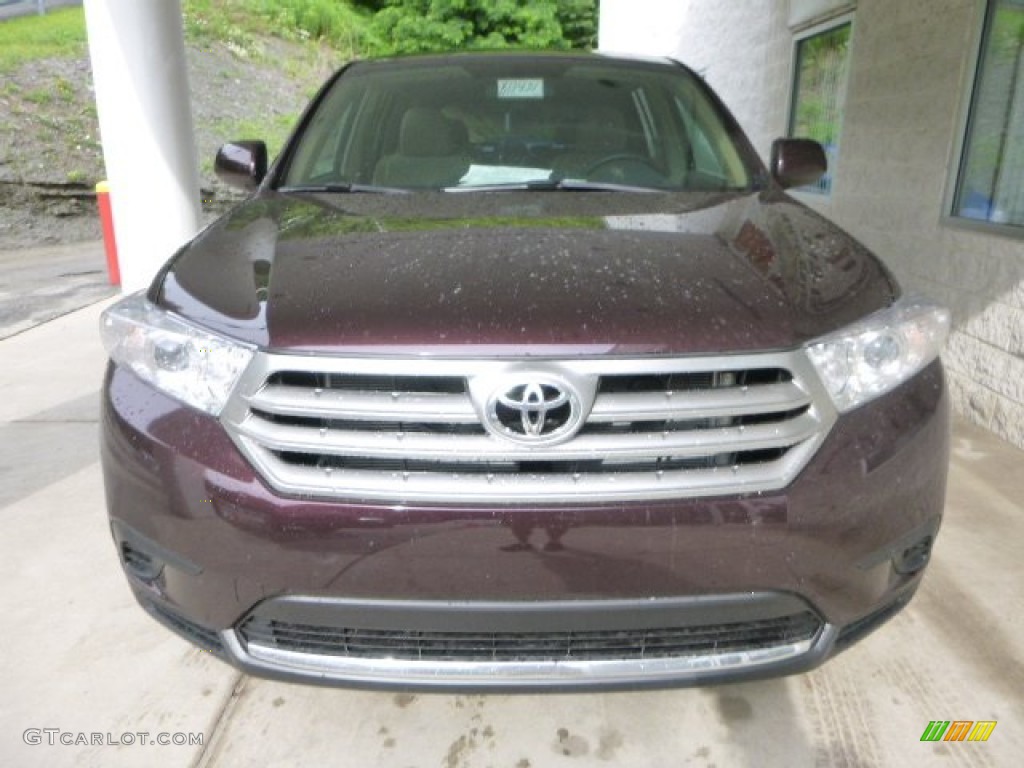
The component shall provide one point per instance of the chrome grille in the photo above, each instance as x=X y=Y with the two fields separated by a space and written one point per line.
x=367 y=429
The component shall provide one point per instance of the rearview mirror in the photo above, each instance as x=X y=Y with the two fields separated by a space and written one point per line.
x=242 y=164
x=797 y=162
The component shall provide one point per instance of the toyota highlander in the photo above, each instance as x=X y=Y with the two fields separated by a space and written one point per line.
x=520 y=372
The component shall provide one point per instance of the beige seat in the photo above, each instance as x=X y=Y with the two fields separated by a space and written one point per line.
x=433 y=152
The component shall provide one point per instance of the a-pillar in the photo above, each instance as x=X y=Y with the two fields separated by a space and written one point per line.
x=137 y=49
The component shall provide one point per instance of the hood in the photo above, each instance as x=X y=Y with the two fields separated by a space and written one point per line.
x=519 y=274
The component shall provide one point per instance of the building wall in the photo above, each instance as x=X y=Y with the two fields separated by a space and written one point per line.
x=910 y=76
x=622 y=26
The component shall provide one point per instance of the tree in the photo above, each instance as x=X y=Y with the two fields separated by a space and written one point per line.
x=412 y=26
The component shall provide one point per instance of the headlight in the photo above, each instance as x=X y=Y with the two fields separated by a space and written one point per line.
x=186 y=362
x=879 y=353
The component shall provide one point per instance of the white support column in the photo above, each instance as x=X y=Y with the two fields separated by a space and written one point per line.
x=649 y=28
x=142 y=98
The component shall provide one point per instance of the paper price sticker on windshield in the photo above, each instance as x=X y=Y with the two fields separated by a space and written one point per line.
x=521 y=89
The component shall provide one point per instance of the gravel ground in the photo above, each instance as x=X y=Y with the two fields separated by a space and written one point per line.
x=50 y=155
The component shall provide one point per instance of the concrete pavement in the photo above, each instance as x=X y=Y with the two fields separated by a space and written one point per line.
x=39 y=284
x=10 y=9
x=80 y=657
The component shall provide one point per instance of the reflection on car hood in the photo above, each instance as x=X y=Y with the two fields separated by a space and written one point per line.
x=524 y=274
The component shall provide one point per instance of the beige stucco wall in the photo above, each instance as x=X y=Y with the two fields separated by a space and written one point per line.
x=910 y=74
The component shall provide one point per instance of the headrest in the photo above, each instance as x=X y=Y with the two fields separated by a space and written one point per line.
x=426 y=132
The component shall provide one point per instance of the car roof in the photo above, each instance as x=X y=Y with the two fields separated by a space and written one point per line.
x=454 y=57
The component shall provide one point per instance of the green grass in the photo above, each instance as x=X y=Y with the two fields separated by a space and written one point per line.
x=58 y=34
x=238 y=23
x=273 y=129
x=64 y=90
x=39 y=96
x=325 y=30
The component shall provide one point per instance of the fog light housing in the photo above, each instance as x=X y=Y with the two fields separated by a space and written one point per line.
x=139 y=563
x=915 y=557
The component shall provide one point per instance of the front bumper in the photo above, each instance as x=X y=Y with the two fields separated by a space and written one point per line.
x=212 y=552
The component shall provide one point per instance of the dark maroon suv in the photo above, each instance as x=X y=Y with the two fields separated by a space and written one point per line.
x=518 y=372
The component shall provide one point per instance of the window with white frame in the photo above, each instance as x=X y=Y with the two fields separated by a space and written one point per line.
x=990 y=183
x=819 y=92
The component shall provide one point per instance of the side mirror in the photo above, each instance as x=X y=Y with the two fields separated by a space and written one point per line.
x=797 y=162
x=242 y=164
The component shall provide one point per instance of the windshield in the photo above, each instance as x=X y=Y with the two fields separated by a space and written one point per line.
x=530 y=122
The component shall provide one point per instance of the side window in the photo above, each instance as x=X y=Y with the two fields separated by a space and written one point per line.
x=990 y=183
x=819 y=93
x=320 y=154
x=712 y=161
x=327 y=160
x=704 y=158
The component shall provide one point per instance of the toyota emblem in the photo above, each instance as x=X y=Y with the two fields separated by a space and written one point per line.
x=535 y=411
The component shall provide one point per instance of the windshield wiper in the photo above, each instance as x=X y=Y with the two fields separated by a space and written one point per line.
x=582 y=185
x=556 y=185
x=344 y=189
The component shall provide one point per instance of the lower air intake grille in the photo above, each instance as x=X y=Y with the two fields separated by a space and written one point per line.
x=205 y=638
x=657 y=643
